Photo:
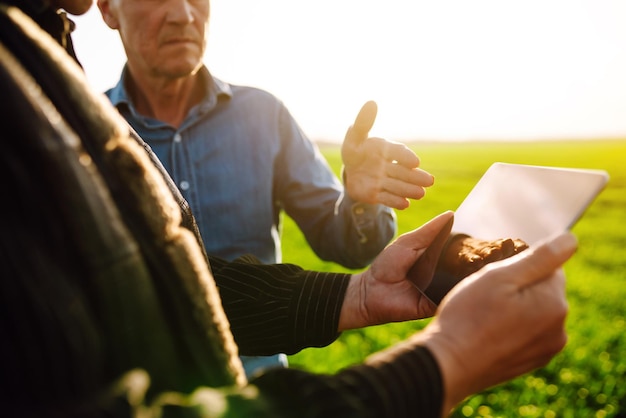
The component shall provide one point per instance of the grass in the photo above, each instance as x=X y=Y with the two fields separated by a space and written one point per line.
x=587 y=379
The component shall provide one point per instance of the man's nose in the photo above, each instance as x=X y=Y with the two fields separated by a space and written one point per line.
x=180 y=11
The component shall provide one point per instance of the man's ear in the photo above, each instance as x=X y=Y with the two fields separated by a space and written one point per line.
x=109 y=18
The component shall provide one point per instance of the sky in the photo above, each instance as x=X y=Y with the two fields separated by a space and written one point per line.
x=438 y=70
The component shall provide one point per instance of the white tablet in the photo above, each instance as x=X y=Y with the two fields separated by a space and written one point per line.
x=528 y=202
x=520 y=201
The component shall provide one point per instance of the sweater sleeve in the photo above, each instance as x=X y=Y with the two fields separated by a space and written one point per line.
x=279 y=308
x=403 y=382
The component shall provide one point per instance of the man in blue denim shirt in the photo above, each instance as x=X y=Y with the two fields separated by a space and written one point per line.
x=238 y=156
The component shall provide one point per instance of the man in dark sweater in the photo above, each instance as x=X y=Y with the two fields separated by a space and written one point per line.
x=109 y=307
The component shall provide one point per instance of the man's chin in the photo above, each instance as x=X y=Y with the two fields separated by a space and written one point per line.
x=180 y=69
x=179 y=62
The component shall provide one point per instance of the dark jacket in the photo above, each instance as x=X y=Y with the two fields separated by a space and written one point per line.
x=107 y=303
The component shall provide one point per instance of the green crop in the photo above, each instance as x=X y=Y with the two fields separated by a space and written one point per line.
x=588 y=378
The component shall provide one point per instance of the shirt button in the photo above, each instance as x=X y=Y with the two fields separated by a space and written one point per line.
x=184 y=185
x=359 y=211
x=177 y=138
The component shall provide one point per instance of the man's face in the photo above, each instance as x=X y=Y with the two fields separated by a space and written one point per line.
x=74 y=7
x=162 y=38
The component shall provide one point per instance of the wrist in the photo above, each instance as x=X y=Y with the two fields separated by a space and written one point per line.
x=352 y=310
x=456 y=377
x=346 y=187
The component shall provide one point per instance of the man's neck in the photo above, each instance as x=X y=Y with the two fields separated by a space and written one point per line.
x=167 y=100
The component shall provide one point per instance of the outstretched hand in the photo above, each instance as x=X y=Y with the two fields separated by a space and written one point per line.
x=380 y=171
x=387 y=291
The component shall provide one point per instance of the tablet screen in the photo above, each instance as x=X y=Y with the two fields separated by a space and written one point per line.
x=527 y=202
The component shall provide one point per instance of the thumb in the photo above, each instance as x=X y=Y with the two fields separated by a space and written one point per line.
x=403 y=253
x=422 y=272
x=426 y=234
x=539 y=263
x=364 y=121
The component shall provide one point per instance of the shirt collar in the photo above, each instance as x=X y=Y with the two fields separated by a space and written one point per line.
x=216 y=90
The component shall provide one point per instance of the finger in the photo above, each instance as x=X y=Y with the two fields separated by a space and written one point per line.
x=422 y=272
x=401 y=189
x=363 y=123
x=539 y=263
x=424 y=235
x=391 y=200
x=393 y=151
x=405 y=250
x=413 y=176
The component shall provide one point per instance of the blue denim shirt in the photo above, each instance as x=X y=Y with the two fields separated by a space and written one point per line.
x=240 y=160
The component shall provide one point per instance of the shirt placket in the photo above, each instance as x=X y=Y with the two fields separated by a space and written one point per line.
x=179 y=163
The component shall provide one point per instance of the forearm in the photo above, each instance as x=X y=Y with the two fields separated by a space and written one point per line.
x=401 y=382
x=279 y=308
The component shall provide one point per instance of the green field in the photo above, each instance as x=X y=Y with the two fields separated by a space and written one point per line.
x=588 y=379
